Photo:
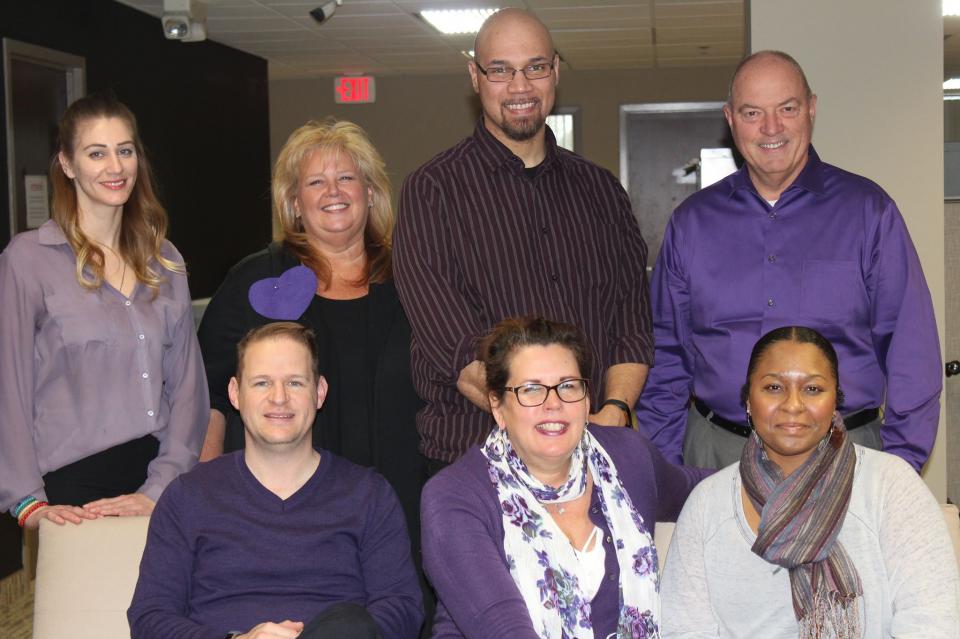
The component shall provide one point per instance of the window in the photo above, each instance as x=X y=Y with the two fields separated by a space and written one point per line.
x=563 y=125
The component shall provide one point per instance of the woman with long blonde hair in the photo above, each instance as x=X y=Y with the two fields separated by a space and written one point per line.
x=102 y=401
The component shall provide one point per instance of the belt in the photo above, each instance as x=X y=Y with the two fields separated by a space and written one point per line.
x=852 y=422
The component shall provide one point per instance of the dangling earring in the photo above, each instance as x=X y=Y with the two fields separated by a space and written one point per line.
x=750 y=422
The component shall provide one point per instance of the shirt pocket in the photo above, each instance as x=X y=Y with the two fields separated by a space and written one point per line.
x=831 y=290
x=82 y=319
x=169 y=314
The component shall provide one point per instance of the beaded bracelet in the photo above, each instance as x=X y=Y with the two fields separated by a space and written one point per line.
x=29 y=510
x=26 y=501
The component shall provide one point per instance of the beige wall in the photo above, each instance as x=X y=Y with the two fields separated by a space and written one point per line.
x=878 y=70
x=416 y=117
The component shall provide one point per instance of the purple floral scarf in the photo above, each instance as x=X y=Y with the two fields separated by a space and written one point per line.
x=542 y=561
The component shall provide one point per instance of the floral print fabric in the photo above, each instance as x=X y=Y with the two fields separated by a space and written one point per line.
x=543 y=563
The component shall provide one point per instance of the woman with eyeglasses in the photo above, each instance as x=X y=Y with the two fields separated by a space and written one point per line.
x=546 y=529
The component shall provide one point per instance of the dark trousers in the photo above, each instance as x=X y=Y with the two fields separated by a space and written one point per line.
x=341 y=621
x=120 y=470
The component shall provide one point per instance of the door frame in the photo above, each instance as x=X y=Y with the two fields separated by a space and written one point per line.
x=75 y=68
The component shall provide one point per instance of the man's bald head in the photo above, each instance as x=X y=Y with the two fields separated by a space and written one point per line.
x=510 y=23
x=764 y=56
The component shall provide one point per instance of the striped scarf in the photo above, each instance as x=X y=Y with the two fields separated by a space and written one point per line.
x=800 y=519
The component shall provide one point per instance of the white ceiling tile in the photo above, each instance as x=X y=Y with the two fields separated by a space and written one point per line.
x=699 y=9
x=388 y=36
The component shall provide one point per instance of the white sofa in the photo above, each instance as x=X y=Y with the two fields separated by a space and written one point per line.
x=86 y=574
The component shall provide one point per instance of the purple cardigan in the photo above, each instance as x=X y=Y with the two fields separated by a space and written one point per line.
x=463 y=538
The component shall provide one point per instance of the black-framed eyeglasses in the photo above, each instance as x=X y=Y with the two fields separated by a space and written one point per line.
x=500 y=73
x=569 y=391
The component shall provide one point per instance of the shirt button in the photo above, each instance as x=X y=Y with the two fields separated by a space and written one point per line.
x=770 y=301
x=595 y=510
x=149 y=413
x=127 y=303
x=773 y=215
x=555 y=277
x=771 y=258
x=544 y=229
x=612 y=578
x=145 y=375
x=141 y=336
x=609 y=539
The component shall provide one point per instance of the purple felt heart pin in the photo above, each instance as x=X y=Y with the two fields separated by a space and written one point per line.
x=285 y=297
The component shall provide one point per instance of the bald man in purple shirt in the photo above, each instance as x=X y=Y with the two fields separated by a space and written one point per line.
x=788 y=239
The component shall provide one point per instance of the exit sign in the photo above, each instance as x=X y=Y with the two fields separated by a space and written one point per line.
x=354 y=89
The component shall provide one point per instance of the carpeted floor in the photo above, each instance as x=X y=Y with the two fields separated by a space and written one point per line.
x=16 y=616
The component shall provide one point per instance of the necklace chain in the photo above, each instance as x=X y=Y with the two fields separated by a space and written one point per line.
x=123 y=273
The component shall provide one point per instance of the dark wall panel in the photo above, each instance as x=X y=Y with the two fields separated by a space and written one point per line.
x=203 y=114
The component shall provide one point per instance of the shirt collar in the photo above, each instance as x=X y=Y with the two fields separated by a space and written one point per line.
x=495 y=154
x=810 y=178
x=51 y=234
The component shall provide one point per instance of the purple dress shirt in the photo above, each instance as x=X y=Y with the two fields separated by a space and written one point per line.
x=224 y=553
x=478 y=240
x=84 y=370
x=833 y=253
x=463 y=538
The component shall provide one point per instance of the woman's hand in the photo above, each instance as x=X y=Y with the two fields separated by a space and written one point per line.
x=59 y=515
x=121 y=506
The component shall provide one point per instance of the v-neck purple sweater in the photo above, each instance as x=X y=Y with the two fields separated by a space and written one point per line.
x=462 y=529
x=224 y=553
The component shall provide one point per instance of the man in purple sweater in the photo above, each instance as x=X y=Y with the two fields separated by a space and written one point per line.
x=277 y=540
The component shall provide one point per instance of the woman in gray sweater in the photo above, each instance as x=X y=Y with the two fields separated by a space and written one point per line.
x=808 y=535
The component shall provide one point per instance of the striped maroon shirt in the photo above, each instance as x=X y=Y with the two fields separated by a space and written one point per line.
x=478 y=240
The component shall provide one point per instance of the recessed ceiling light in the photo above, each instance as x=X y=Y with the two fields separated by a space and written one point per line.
x=951 y=84
x=457 y=20
x=951 y=7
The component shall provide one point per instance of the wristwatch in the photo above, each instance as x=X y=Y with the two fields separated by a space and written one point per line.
x=622 y=406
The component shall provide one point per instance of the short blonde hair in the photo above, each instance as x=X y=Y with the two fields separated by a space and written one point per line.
x=337 y=136
x=276 y=331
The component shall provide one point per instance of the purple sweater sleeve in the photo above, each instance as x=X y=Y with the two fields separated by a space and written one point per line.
x=463 y=556
x=394 y=599
x=159 y=608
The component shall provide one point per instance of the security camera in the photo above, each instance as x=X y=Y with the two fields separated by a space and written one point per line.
x=325 y=11
x=176 y=27
x=184 y=20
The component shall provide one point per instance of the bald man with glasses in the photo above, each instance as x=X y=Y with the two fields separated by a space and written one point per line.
x=506 y=223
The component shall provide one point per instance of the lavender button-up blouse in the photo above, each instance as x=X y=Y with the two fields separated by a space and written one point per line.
x=84 y=370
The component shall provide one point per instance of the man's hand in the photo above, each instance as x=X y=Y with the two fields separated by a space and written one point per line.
x=122 y=506
x=609 y=416
x=472 y=384
x=59 y=515
x=270 y=630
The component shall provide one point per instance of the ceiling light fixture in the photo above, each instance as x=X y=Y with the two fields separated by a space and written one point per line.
x=951 y=7
x=951 y=84
x=450 y=21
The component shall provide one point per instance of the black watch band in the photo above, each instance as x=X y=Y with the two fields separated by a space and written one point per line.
x=622 y=406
